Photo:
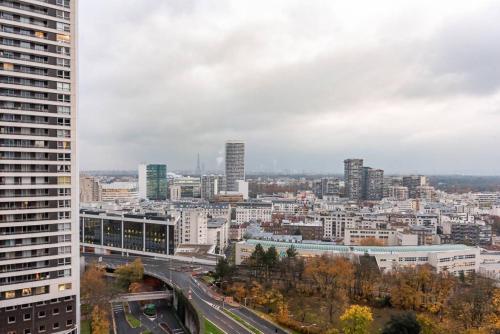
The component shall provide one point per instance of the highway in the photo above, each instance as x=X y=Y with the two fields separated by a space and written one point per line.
x=201 y=299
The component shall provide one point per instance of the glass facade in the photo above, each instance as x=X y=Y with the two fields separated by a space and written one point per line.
x=107 y=232
x=156 y=182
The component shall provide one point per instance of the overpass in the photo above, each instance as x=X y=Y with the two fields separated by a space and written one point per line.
x=141 y=296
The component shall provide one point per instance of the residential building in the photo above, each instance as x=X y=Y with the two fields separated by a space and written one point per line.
x=185 y=188
x=211 y=185
x=90 y=189
x=235 y=164
x=39 y=252
x=218 y=234
x=412 y=182
x=398 y=193
x=119 y=192
x=153 y=184
x=253 y=211
x=373 y=184
x=327 y=186
x=474 y=234
x=191 y=227
x=353 y=178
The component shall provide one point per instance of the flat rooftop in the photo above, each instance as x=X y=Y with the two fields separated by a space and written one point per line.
x=328 y=247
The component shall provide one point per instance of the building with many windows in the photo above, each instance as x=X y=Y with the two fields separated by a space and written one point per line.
x=39 y=255
x=235 y=164
x=353 y=178
x=153 y=183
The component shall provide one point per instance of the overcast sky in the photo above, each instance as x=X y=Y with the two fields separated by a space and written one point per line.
x=410 y=86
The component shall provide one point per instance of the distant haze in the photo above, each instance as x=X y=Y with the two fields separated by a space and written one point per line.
x=410 y=86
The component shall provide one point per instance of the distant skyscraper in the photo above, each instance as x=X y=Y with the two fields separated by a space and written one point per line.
x=153 y=184
x=235 y=164
x=198 y=165
x=39 y=258
x=353 y=178
x=373 y=184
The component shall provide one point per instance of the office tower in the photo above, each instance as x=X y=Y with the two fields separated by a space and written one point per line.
x=235 y=164
x=373 y=184
x=412 y=182
x=153 y=183
x=90 y=189
x=211 y=185
x=39 y=250
x=353 y=178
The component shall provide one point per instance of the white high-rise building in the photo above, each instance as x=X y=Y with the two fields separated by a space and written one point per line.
x=235 y=164
x=39 y=181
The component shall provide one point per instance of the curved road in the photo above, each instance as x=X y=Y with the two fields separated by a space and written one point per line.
x=206 y=304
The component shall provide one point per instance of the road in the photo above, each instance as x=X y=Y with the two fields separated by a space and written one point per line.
x=201 y=298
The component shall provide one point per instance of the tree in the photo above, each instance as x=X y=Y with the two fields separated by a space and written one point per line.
x=291 y=252
x=99 y=322
x=271 y=259
x=405 y=323
x=356 y=320
x=130 y=273
x=429 y=326
x=94 y=288
x=332 y=276
x=223 y=270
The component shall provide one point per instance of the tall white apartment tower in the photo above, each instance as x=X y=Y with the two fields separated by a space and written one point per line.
x=39 y=252
x=235 y=164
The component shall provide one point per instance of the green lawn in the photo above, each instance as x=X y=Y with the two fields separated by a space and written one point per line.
x=147 y=332
x=132 y=321
x=210 y=328
x=85 y=327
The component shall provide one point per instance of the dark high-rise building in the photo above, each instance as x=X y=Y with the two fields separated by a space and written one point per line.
x=39 y=250
x=327 y=186
x=412 y=182
x=373 y=184
x=353 y=178
x=235 y=164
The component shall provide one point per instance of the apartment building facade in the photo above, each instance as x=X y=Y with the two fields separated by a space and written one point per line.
x=39 y=254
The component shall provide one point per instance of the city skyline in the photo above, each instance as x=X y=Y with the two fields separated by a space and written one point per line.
x=304 y=85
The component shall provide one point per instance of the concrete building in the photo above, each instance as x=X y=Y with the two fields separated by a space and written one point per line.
x=253 y=211
x=412 y=182
x=235 y=164
x=373 y=184
x=119 y=192
x=474 y=234
x=327 y=186
x=105 y=232
x=398 y=193
x=211 y=185
x=153 y=184
x=455 y=259
x=185 y=188
x=353 y=178
x=218 y=234
x=90 y=189
x=191 y=226
x=39 y=179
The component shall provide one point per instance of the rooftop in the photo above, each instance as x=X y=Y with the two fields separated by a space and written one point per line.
x=328 y=247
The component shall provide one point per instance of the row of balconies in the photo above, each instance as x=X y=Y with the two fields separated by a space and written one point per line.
x=6 y=155
x=25 y=143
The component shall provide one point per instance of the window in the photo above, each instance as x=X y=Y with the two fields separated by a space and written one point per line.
x=11 y=319
x=42 y=314
x=10 y=294
x=62 y=14
x=64 y=110
x=56 y=325
x=69 y=322
x=69 y=308
x=26 y=316
x=41 y=329
x=63 y=62
x=62 y=26
x=55 y=311
x=66 y=286
x=27 y=331
x=26 y=292
x=62 y=38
